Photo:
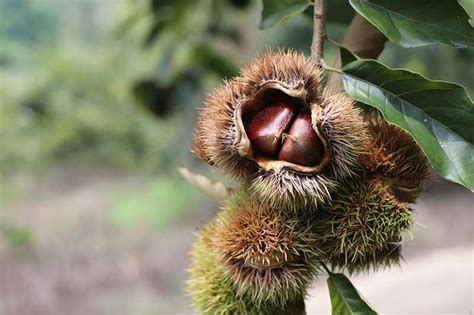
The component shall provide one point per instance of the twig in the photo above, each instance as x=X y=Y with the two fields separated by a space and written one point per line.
x=215 y=190
x=319 y=31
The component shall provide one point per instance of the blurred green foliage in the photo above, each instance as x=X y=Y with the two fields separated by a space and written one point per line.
x=70 y=97
x=160 y=204
x=69 y=101
x=192 y=39
x=79 y=111
x=16 y=32
x=15 y=236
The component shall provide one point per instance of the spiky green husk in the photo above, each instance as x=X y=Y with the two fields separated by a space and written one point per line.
x=337 y=118
x=213 y=292
x=253 y=257
x=249 y=233
x=363 y=227
x=395 y=157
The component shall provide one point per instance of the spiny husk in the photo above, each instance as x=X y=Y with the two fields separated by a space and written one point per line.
x=363 y=227
x=216 y=129
x=213 y=292
x=336 y=117
x=395 y=157
x=269 y=253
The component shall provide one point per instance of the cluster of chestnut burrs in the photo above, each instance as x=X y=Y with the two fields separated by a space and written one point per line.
x=321 y=182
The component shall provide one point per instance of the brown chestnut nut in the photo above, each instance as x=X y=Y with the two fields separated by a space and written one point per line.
x=267 y=126
x=301 y=144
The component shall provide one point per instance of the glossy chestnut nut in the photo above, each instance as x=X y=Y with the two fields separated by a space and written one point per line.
x=302 y=145
x=267 y=126
x=279 y=132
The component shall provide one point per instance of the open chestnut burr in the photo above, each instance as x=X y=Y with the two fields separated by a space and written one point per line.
x=275 y=128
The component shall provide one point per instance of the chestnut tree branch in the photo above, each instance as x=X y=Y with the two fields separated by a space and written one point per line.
x=319 y=31
x=364 y=40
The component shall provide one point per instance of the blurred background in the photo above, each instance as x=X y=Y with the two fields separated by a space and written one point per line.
x=98 y=100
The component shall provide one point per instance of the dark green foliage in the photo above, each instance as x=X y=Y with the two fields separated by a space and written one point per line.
x=345 y=299
x=275 y=12
x=413 y=23
x=439 y=115
x=212 y=60
x=198 y=25
x=241 y=4
x=154 y=98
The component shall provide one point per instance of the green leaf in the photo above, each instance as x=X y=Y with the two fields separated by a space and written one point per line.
x=346 y=56
x=337 y=12
x=275 y=12
x=412 y=23
x=439 y=115
x=345 y=299
x=468 y=6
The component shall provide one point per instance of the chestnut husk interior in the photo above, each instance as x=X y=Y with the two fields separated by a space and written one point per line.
x=273 y=92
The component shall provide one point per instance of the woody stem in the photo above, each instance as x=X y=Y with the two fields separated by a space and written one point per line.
x=319 y=31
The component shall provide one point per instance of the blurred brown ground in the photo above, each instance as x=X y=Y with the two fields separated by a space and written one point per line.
x=79 y=264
